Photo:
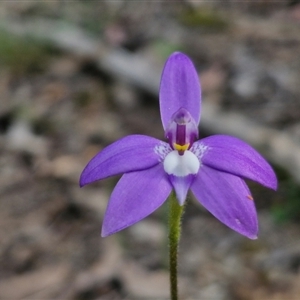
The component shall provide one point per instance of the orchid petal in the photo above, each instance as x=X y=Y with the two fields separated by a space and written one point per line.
x=181 y=186
x=179 y=88
x=131 y=153
x=228 y=198
x=135 y=196
x=232 y=155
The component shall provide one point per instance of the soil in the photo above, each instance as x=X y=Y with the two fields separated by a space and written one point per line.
x=58 y=110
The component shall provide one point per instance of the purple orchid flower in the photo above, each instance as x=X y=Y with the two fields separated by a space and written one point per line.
x=213 y=167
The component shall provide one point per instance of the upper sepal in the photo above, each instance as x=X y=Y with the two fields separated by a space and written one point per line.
x=179 y=88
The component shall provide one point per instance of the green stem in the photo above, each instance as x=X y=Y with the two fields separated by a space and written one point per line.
x=175 y=213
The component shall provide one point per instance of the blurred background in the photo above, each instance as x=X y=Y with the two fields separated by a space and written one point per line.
x=77 y=75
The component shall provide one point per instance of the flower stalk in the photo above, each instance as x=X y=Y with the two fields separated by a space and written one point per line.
x=175 y=214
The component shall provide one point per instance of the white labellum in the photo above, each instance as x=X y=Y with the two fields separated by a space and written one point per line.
x=181 y=165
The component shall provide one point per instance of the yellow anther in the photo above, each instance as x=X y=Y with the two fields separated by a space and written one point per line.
x=181 y=147
x=250 y=197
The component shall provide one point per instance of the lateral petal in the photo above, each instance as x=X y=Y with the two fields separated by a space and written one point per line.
x=228 y=198
x=131 y=153
x=232 y=155
x=135 y=196
x=179 y=88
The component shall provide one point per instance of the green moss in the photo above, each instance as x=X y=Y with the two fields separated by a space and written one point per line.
x=164 y=48
x=43 y=126
x=22 y=54
x=287 y=206
x=249 y=247
x=205 y=18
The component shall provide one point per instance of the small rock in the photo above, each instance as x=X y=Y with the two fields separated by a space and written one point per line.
x=21 y=138
x=248 y=72
x=148 y=231
x=93 y=198
x=64 y=66
x=142 y=285
x=66 y=166
x=124 y=96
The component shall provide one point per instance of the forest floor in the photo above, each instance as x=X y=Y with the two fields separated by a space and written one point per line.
x=58 y=109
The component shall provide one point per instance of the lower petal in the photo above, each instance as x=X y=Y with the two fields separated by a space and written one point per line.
x=228 y=198
x=181 y=186
x=136 y=196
